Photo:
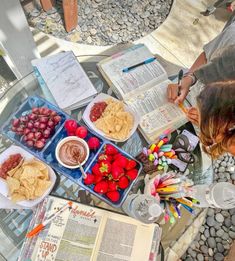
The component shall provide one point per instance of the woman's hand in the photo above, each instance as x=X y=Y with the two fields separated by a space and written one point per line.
x=174 y=89
x=193 y=115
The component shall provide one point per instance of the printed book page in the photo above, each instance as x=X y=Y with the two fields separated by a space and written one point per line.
x=65 y=78
x=86 y=234
x=123 y=237
x=147 y=101
x=168 y=116
x=128 y=82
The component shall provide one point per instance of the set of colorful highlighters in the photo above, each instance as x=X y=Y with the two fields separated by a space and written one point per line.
x=173 y=191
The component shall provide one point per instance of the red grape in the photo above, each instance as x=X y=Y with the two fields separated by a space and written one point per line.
x=30 y=125
x=50 y=124
x=43 y=140
x=32 y=116
x=26 y=131
x=57 y=119
x=53 y=113
x=25 y=138
x=35 y=110
x=16 y=122
x=46 y=133
x=39 y=144
x=33 y=129
x=43 y=119
x=38 y=135
x=19 y=129
x=36 y=124
x=42 y=126
x=30 y=143
x=30 y=136
x=46 y=111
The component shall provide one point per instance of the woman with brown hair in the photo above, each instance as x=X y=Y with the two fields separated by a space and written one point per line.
x=215 y=116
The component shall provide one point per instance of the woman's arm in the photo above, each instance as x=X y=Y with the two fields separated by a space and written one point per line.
x=220 y=68
x=187 y=81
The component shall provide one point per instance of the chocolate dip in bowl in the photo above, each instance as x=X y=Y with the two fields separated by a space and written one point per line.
x=72 y=150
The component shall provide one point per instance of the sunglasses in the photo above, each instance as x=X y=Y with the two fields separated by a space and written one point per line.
x=183 y=149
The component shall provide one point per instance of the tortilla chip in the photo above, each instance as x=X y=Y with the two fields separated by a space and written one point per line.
x=13 y=184
x=15 y=197
x=42 y=186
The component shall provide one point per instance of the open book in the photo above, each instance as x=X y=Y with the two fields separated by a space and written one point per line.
x=87 y=233
x=144 y=89
x=63 y=80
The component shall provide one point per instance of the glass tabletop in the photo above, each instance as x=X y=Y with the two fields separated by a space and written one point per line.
x=14 y=223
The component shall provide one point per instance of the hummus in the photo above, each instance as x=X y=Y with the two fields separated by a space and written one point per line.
x=72 y=152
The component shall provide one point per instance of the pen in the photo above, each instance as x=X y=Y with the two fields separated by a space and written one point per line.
x=180 y=76
x=127 y=69
x=39 y=227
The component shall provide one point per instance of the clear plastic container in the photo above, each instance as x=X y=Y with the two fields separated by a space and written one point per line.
x=143 y=207
x=217 y=195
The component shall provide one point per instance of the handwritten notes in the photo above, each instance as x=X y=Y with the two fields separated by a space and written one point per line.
x=65 y=78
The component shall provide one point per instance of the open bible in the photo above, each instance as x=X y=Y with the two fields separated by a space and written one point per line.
x=87 y=233
x=144 y=89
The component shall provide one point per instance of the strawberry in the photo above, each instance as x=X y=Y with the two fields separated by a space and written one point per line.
x=123 y=182
x=105 y=167
x=117 y=172
x=89 y=179
x=93 y=143
x=96 y=169
x=101 y=187
x=131 y=164
x=98 y=178
x=110 y=149
x=113 y=195
x=103 y=156
x=112 y=185
x=121 y=161
x=132 y=174
x=117 y=155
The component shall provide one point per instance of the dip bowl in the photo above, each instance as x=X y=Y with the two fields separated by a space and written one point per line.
x=72 y=150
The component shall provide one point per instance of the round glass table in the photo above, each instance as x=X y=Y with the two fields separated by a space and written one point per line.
x=14 y=223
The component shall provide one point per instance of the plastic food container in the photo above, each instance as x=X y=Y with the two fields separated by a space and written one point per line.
x=48 y=153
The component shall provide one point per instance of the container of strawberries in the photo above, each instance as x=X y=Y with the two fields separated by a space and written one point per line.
x=112 y=174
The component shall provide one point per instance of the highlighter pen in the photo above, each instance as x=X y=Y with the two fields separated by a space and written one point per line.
x=127 y=69
x=188 y=208
x=40 y=226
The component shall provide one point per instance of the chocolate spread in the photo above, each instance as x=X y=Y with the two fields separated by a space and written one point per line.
x=72 y=152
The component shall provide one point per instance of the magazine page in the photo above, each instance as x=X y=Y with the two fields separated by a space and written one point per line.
x=147 y=101
x=126 y=82
x=122 y=239
x=71 y=236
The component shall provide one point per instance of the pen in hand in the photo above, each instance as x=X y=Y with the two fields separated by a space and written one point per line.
x=180 y=76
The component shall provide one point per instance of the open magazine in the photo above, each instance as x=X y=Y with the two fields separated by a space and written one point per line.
x=87 y=233
x=144 y=89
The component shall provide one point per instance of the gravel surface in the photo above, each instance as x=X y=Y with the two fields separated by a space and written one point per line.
x=103 y=22
x=218 y=231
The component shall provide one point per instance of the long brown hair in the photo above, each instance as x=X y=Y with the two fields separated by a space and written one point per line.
x=217 y=117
